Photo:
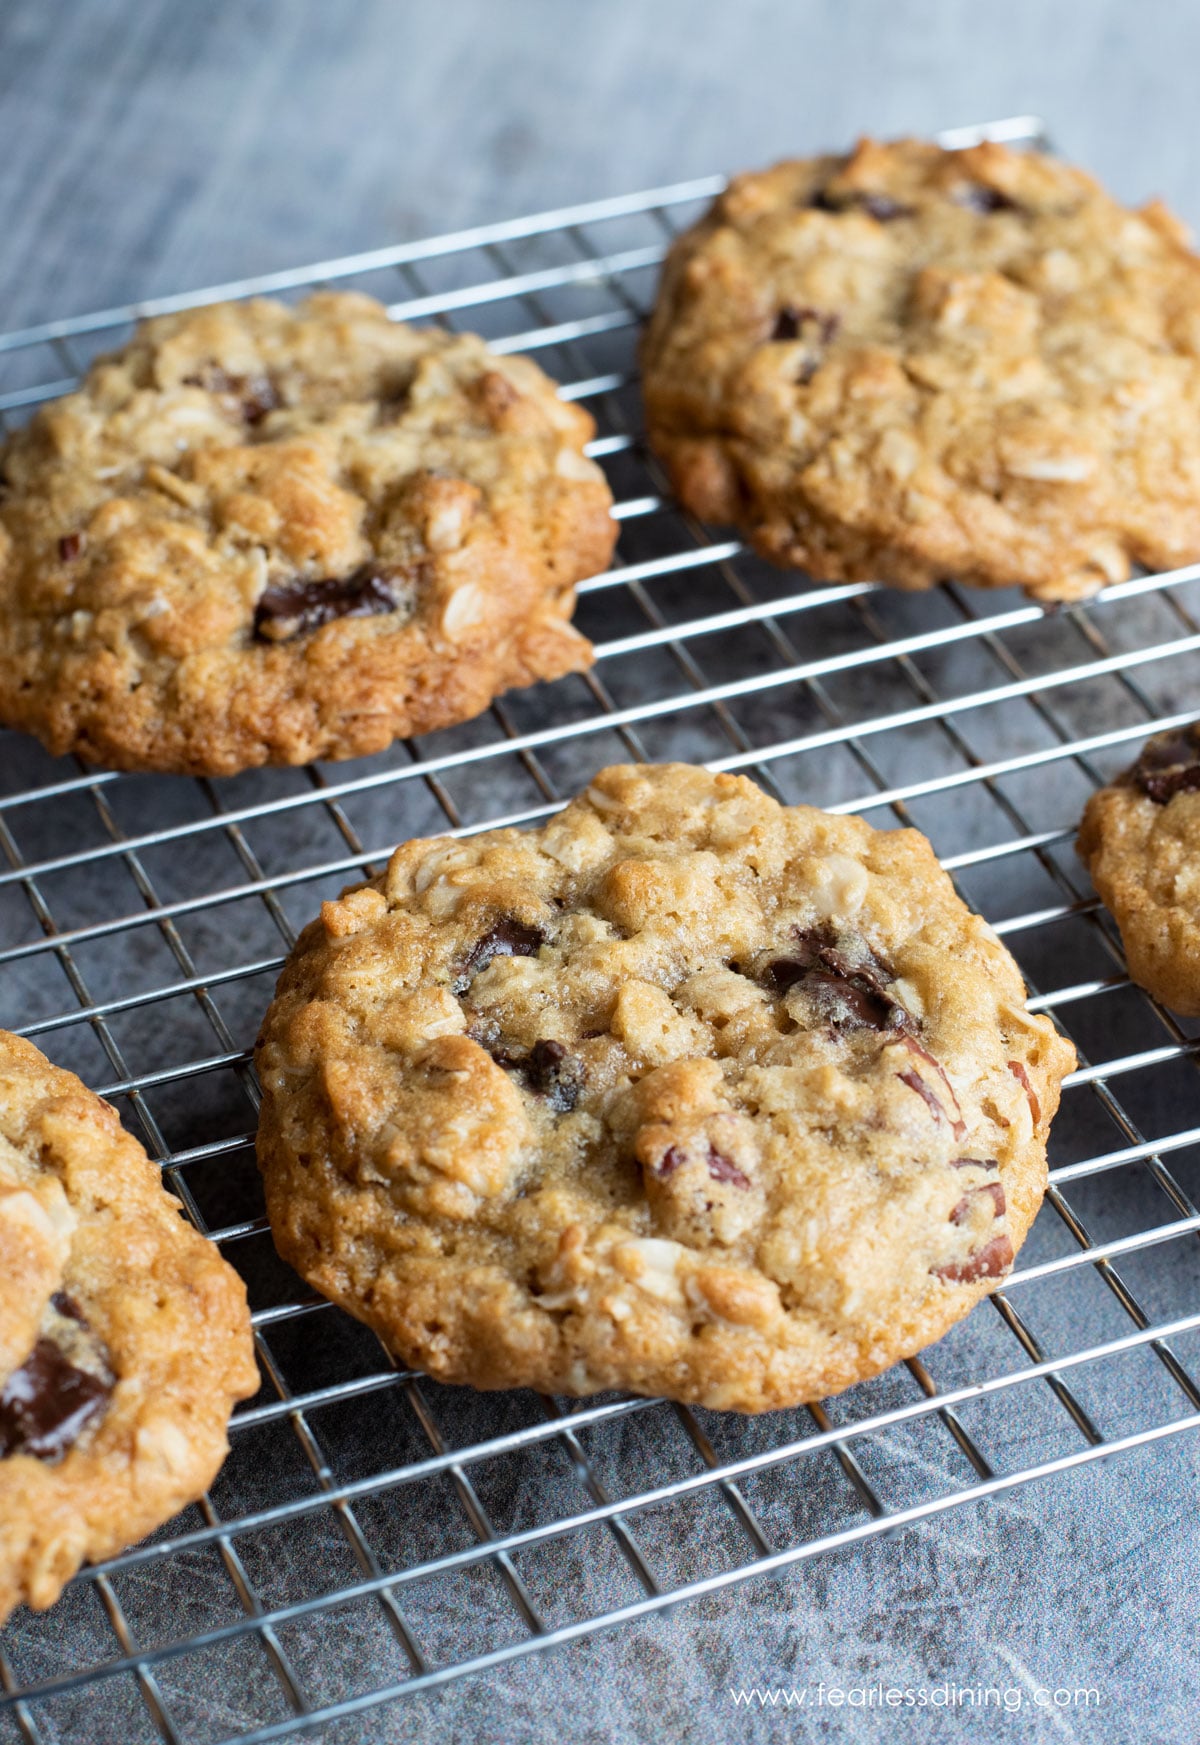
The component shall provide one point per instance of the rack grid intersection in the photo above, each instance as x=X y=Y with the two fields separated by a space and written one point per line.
x=373 y=1535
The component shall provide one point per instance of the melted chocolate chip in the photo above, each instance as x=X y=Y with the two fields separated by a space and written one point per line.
x=784 y=972
x=47 y=1403
x=791 y=322
x=296 y=608
x=814 y=326
x=1169 y=764
x=256 y=395
x=70 y=546
x=980 y=198
x=974 y=1163
x=963 y=1209
x=508 y=938
x=990 y=1261
x=849 y=992
x=881 y=207
x=847 y=1005
x=555 y=1074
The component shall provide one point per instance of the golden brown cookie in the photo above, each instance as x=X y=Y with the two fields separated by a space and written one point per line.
x=263 y=535
x=910 y=364
x=1140 y=841
x=124 y=1337
x=685 y=1092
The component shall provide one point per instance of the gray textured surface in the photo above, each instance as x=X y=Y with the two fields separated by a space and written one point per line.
x=153 y=146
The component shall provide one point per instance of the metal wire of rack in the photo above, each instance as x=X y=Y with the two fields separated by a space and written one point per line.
x=373 y=1535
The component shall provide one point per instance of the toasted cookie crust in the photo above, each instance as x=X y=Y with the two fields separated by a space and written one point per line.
x=264 y=535
x=1140 y=840
x=124 y=1337
x=910 y=364
x=685 y=1092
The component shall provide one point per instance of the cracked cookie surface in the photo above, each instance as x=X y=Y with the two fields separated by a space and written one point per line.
x=911 y=364
x=1140 y=841
x=124 y=1337
x=685 y=1092
x=263 y=535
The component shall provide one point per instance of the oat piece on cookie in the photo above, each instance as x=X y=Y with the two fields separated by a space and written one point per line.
x=124 y=1337
x=1140 y=840
x=262 y=535
x=911 y=364
x=684 y=1092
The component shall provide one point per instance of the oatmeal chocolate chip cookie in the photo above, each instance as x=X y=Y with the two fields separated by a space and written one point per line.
x=1140 y=841
x=262 y=535
x=684 y=1092
x=124 y=1337
x=910 y=364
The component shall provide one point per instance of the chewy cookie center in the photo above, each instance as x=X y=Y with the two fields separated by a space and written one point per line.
x=687 y=1052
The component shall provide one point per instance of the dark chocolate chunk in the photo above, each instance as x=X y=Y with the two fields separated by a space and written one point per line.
x=784 y=972
x=980 y=198
x=815 y=327
x=974 y=1163
x=791 y=322
x=850 y=991
x=555 y=1074
x=508 y=938
x=70 y=546
x=295 y=608
x=255 y=395
x=1169 y=764
x=258 y=396
x=846 y=1004
x=881 y=207
x=990 y=1261
x=47 y=1403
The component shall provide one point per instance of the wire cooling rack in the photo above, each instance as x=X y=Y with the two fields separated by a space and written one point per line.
x=374 y=1535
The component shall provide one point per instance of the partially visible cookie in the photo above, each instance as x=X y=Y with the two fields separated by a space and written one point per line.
x=124 y=1337
x=1140 y=841
x=910 y=364
x=685 y=1092
x=263 y=535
